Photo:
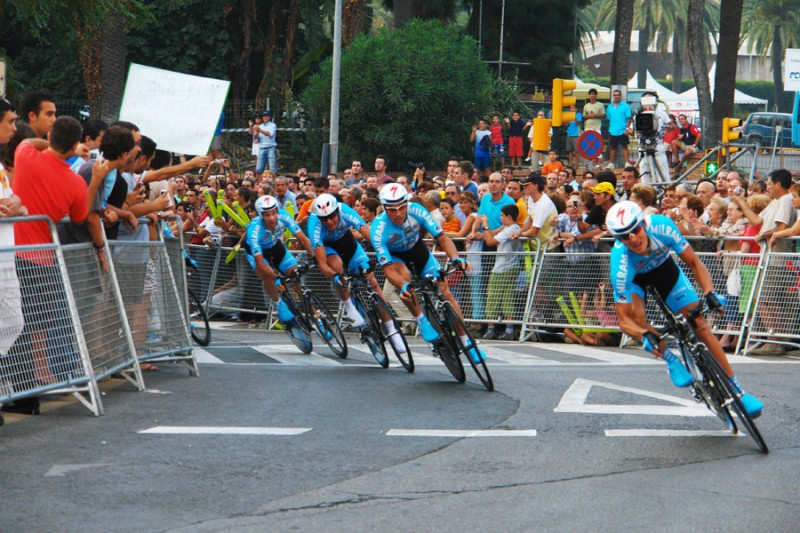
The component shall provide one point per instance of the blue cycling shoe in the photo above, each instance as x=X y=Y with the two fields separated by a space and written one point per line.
x=751 y=404
x=284 y=313
x=427 y=330
x=476 y=355
x=677 y=372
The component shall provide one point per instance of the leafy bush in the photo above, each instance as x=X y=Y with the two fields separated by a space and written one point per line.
x=409 y=94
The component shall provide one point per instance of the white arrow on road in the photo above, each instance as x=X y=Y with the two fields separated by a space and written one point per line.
x=63 y=470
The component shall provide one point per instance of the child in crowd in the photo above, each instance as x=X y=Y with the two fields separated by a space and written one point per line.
x=602 y=314
x=450 y=223
x=498 y=150
x=515 y=127
x=553 y=164
x=505 y=271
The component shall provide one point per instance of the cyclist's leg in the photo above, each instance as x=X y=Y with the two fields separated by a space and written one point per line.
x=268 y=276
x=398 y=275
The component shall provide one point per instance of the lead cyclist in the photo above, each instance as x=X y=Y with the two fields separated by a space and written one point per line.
x=641 y=258
x=395 y=237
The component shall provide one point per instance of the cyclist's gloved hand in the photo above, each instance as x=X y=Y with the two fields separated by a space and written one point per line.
x=650 y=341
x=459 y=263
x=277 y=282
x=338 y=281
x=715 y=301
x=405 y=290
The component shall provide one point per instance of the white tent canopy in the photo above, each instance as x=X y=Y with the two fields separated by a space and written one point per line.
x=738 y=96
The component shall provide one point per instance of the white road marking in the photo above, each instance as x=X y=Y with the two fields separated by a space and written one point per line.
x=63 y=470
x=205 y=357
x=289 y=354
x=606 y=356
x=574 y=401
x=670 y=433
x=223 y=430
x=461 y=433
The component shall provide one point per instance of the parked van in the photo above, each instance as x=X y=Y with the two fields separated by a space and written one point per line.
x=759 y=128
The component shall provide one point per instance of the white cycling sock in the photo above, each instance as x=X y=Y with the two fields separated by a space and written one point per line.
x=389 y=327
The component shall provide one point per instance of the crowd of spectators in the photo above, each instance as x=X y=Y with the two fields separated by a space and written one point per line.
x=106 y=177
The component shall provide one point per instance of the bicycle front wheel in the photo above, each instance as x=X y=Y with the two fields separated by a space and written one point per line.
x=325 y=324
x=468 y=346
x=444 y=347
x=732 y=400
x=368 y=333
x=396 y=340
x=198 y=321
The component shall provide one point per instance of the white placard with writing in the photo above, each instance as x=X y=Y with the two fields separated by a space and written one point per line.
x=180 y=112
x=791 y=70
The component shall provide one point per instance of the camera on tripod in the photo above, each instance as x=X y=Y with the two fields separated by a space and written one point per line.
x=646 y=128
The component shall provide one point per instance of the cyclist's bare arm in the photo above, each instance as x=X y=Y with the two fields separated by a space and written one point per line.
x=633 y=320
x=698 y=269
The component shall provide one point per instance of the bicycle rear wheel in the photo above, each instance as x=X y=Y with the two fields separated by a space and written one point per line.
x=325 y=324
x=466 y=346
x=198 y=321
x=444 y=347
x=402 y=351
x=732 y=401
x=368 y=334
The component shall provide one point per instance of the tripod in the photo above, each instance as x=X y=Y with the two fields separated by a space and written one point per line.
x=650 y=168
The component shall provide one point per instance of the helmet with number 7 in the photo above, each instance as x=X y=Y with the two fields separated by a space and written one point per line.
x=326 y=205
x=393 y=195
x=623 y=218
x=266 y=203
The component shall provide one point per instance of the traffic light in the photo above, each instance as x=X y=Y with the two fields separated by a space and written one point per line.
x=728 y=135
x=711 y=167
x=560 y=101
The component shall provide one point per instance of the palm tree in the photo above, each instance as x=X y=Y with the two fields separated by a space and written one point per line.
x=696 y=48
x=772 y=26
x=622 y=42
x=662 y=22
x=727 y=56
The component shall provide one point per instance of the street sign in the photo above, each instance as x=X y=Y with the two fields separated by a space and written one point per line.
x=590 y=144
x=2 y=77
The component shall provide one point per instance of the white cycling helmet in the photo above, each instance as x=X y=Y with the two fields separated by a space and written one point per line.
x=393 y=195
x=266 y=203
x=326 y=205
x=623 y=218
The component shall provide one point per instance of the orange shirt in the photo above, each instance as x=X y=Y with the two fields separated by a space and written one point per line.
x=549 y=167
x=452 y=225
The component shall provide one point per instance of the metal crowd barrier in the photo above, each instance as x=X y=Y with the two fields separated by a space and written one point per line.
x=154 y=307
x=775 y=318
x=43 y=346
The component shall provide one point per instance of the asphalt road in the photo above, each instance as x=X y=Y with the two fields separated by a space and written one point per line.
x=266 y=439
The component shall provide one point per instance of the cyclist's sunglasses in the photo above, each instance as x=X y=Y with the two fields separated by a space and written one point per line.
x=634 y=231
x=394 y=207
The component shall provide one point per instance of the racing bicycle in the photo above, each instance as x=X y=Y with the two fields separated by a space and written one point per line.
x=198 y=319
x=310 y=314
x=447 y=321
x=374 y=333
x=711 y=384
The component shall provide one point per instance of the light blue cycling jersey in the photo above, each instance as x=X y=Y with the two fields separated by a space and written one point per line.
x=664 y=237
x=387 y=237
x=320 y=235
x=259 y=238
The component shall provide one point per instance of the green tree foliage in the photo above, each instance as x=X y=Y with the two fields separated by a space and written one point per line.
x=410 y=94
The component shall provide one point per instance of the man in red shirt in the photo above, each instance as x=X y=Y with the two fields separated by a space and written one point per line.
x=46 y=186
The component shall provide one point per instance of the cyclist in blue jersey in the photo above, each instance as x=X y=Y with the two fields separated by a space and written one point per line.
x=330 y=229
x=642 y=258
x=265 y=251
x=395 y=237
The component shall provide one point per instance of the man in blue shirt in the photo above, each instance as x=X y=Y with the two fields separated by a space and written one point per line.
x=619 y=127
